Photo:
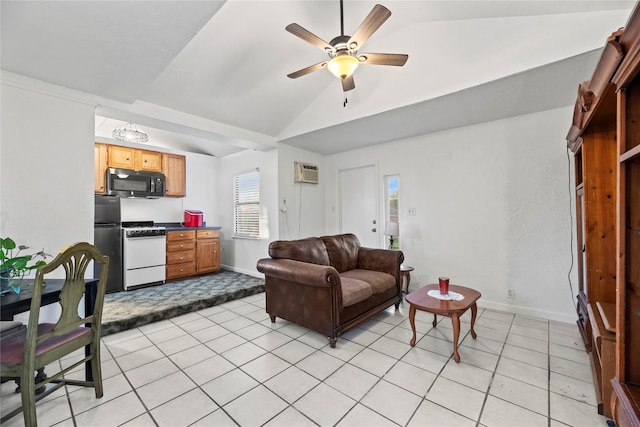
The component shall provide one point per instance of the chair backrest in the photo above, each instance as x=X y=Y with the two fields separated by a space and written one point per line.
x=74 y=259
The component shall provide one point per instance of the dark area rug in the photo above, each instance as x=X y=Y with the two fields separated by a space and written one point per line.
x=130 y=309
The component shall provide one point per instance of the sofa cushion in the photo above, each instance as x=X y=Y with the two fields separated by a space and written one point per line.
x=378 y=281
x=343 y=251
x=311 y=250
x=354 y=291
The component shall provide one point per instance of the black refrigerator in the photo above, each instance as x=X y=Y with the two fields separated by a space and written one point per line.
x=107 y=237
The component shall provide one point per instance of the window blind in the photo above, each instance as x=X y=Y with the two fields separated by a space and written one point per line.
x=246 y=202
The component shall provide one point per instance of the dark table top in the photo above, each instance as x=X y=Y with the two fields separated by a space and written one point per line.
x=12 y=304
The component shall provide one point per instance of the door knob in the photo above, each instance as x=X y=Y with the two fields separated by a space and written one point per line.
x=374 y=221
x=373 y=229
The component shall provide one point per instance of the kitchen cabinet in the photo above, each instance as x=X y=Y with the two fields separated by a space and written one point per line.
x=147 y=161
x=605 y=138
x=181 y=254
x=121 y=157
x=174 y=169
x=99 y=167
x=173 y=166
x=207 y=251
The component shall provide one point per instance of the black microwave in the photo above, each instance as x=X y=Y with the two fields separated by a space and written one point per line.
x=130 y=183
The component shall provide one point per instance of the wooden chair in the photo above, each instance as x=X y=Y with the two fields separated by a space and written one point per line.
x=40 y=344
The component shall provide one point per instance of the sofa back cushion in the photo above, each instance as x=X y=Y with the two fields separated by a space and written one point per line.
x=311 y=250
x=343 y=251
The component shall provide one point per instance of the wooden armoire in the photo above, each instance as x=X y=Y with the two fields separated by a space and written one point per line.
x=605 y=140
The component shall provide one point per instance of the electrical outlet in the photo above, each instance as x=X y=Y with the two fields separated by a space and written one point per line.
x=511 y=294
x=412 y=211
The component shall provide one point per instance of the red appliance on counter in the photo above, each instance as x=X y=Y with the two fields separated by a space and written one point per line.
x=193 y=218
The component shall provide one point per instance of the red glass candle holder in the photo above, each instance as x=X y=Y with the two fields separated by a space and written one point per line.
x=444 y=285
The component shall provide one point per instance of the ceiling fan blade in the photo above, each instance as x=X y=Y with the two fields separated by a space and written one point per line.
x=397 y=59
x=308 y=36
x=307 y=70
x=371 y=23
x=348 y=84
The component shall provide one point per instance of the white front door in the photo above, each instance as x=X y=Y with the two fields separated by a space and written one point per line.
x=359 y=213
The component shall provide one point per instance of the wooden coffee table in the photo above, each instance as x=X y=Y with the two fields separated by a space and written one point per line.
x=419 y=300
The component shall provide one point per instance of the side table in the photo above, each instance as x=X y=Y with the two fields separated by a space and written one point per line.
x=405 y=272
x=420 y=300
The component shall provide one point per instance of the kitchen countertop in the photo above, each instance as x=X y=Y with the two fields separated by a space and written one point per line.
x=177 y=226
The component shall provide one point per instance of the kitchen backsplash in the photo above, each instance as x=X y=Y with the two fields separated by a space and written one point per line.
x=159 y=210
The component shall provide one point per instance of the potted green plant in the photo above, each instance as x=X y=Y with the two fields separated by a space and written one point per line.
x=15 y=265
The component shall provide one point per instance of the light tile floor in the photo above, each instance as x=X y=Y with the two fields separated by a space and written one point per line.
x=229 y=365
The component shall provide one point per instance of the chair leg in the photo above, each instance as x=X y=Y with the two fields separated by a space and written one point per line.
x=27 y=392
x=96 y=370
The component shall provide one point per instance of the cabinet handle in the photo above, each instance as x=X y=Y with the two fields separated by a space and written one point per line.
x=181 y=270
x=182 y=246
x=181 y=258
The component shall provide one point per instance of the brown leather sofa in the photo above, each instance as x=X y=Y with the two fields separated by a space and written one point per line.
x=330 y=284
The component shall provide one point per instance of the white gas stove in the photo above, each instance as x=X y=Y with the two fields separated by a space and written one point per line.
x=144 y=254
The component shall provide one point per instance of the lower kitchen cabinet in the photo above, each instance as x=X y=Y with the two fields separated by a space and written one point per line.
x=207 y=251
x=181 y=254
x=191 y=252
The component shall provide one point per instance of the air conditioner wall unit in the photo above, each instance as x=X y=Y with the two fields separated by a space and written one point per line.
x=304 y=172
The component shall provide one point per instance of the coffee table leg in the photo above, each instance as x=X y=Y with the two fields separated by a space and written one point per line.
x=455 y=319
x=474 y=311
x=435 y=321
x=412 y=320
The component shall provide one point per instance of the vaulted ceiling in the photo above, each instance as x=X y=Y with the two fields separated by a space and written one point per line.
x=210 y=76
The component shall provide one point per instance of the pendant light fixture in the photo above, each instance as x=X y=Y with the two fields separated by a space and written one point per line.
x=130 y=133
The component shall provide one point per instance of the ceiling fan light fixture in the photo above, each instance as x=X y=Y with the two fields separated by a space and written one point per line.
x=343 y=66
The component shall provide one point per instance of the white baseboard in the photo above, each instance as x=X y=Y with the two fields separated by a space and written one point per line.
x=526 y=311
x=256 y=274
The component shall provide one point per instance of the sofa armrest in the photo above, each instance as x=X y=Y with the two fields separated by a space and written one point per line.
x=383 y=260
x=303 y=273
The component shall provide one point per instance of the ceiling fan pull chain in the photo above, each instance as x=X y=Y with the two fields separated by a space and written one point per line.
x=344 y=104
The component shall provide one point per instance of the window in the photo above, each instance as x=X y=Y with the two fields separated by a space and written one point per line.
x=246 y=205
x=391 y=193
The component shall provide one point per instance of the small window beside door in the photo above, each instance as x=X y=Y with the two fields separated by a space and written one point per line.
x=391 y=211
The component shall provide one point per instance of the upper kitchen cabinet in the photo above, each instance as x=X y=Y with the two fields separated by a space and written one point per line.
x=121 y=157
x=100 y=164
x=174 y=169
x=173 y=166
x=148 y=161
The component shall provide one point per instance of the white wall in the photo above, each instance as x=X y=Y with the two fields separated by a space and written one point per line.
x=46 y=169
x=304 y=213
x=202 y=195
x=241 y=255
x=492 y=200
x=492 y=209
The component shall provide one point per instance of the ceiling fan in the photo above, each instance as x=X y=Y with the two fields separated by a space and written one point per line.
x=343 y=50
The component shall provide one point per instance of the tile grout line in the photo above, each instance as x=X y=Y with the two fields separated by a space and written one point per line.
x=495 y=369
